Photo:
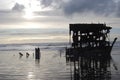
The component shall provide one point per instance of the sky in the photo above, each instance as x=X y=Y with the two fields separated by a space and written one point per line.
x=57 y=13
x=49 y=14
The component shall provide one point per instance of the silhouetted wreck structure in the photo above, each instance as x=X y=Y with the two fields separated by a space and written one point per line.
x=89 y=39
x=89 y=51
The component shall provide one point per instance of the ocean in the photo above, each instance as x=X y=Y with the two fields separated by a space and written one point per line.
x=40 y=35
x=52 y=64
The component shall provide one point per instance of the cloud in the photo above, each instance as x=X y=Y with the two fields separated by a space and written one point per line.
x=118 y=9
x=12 y=16
x=18 y=7
x=99 y=7
x=55 y=16
x=51 y=3
x=96 y=6
x=46 y=3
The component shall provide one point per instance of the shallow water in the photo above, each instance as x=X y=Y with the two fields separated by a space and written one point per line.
x=51 y=66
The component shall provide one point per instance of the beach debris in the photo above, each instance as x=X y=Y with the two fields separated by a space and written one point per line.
x=37 y=53
x=20 y=54
x=27 y=54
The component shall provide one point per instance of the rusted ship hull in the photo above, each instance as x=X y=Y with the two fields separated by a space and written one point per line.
x=88 y=51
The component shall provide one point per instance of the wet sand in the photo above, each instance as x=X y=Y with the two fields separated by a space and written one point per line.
x=51 y=66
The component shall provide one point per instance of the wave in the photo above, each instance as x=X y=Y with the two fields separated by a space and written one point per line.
x=32 y=46
x=43 y=46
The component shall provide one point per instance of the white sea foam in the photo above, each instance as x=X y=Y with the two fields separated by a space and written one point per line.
x=32 y=46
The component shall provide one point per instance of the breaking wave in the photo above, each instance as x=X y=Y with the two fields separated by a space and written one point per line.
x=32 y=46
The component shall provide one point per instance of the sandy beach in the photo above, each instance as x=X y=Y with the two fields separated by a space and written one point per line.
x=51 y=66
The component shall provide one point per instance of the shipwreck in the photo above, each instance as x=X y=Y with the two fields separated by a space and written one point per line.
x=89 y=53
x=89 y=40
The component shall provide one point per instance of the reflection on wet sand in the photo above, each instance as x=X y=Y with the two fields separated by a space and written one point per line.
x=90 y=68
x=37 y=61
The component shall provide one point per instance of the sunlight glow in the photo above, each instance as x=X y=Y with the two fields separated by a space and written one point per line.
x=30 y=25
x=31 y=6
x=28 y=14
x=30 y=75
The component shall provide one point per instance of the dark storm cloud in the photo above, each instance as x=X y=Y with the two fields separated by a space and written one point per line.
x=52 y=3
x=118 y=9
x=96 y=6
x=100 y=7
x=18 y=7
